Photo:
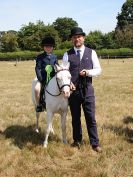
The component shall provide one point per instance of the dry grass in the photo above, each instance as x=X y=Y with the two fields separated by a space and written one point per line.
x=21 y=151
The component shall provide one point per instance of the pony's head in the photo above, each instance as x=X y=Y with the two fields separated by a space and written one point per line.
x=63 y=77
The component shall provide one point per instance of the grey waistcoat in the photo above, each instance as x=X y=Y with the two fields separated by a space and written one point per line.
x=76 y=66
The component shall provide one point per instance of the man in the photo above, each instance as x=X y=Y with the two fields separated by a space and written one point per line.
x=44 y=66
x=84 y=65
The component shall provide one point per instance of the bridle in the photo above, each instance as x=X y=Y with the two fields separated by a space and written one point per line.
x=59 y=87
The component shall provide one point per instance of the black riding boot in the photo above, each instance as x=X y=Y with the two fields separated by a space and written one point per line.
x=42 y=105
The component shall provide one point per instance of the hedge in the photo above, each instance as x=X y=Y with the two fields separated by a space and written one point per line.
x=115 y=53
x=22 y=55
x=103 y=53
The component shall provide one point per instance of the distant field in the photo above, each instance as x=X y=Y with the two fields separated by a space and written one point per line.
x=21 y=150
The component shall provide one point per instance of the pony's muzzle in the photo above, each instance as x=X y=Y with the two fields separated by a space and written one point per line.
x=66 y=94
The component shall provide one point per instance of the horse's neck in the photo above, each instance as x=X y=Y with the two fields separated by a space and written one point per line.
x=52 y=86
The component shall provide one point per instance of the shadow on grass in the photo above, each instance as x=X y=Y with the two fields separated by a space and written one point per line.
x=128 y=120
x=127 y=133
x=22 y=135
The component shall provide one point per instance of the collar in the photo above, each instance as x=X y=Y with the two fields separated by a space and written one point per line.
x=81 y=48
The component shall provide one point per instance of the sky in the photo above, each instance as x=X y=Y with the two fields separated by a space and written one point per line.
x=89 y=14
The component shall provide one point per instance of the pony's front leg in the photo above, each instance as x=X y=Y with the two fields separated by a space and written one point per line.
x=51 y=129
x=48 y=127
x=37 y=121
x=63 y=127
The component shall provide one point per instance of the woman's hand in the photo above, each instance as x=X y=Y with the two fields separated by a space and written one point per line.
x=72 y=87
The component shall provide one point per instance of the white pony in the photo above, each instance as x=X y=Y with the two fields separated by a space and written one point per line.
x=56 y=97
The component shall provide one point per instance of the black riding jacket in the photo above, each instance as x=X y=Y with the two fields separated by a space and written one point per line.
x=42 y=61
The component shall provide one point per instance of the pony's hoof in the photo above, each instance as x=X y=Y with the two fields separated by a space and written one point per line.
x=65 y=142
x=37 y=130
x=45 y=145
x=52 y=132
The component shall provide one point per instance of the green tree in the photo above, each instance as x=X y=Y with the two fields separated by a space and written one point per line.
x=125 y=18
x=63 y=26
x=94 y=39
x=108 y=41
x=66 y=45
x=124 y=37
x=9 y=41
x=30 y=36
x=124 y=28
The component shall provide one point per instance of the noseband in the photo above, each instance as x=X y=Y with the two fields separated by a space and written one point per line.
x=59 y=87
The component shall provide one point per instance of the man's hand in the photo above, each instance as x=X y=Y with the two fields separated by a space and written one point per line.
x=84 y=73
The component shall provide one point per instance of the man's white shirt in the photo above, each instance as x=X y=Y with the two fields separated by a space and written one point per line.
x=96 y=70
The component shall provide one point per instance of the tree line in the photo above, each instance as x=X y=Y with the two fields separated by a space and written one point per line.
x=29 y=36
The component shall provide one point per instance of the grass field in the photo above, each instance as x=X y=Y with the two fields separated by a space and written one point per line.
x=21 y=150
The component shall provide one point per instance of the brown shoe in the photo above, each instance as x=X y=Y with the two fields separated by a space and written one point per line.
x=97 y=149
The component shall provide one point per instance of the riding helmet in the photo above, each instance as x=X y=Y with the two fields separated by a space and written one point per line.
x=48 y=41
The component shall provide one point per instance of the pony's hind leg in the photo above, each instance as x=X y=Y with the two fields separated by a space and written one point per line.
x=48 y=128
x=37 y=121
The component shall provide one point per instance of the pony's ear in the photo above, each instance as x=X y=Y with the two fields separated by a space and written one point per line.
x=56 y=67
x=65 y=64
